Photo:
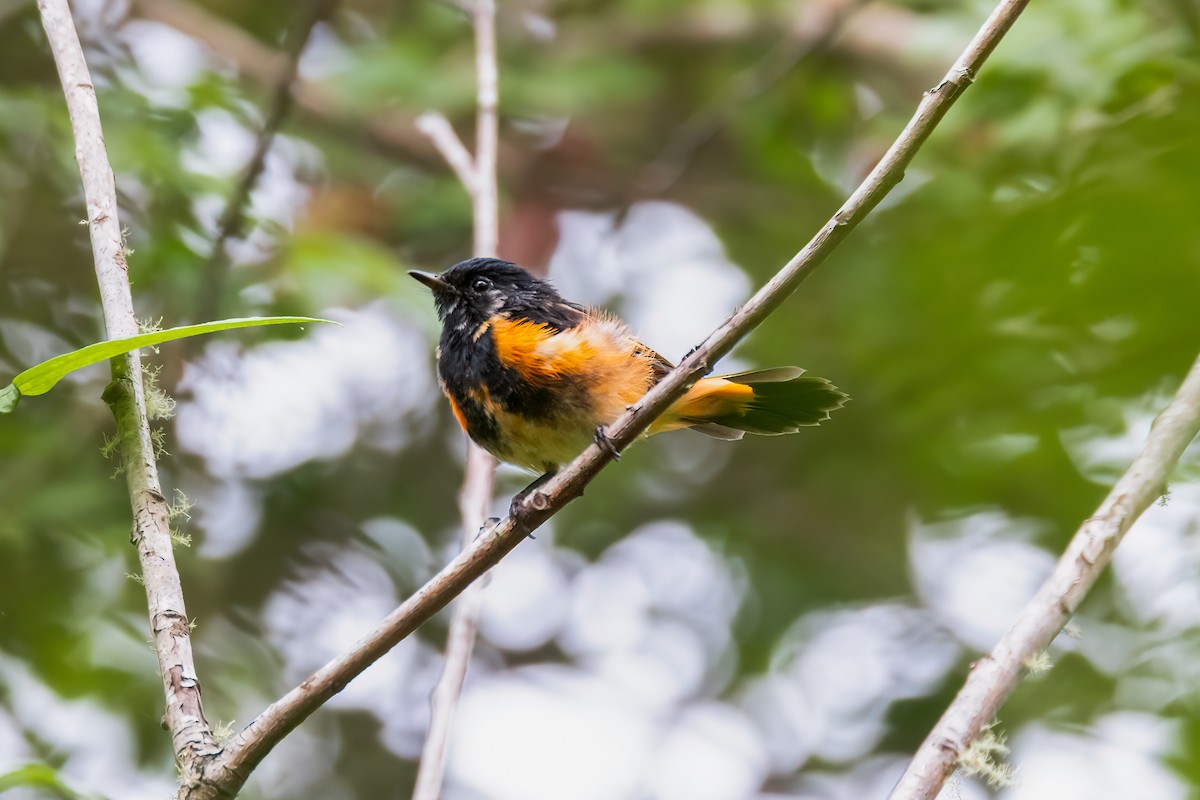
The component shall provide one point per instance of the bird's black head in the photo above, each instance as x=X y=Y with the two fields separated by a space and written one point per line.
x=471 y=292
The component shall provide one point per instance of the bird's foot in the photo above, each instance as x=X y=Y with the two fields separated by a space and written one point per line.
x=605 y=443
x=489 y=524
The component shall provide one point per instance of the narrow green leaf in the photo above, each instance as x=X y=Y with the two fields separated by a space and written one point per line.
x=40 y=379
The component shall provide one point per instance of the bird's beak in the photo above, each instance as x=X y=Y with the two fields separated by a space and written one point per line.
x=434 y=282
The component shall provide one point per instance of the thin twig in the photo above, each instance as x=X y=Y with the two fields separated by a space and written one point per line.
x=993 y=677
x=441 y=133
x=190 y=732
x=233 y=219
x=248 y=748
x=480 y=479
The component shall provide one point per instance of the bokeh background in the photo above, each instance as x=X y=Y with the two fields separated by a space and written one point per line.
x=774 y=619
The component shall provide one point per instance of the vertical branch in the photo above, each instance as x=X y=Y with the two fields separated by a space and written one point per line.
x=479 y=482
x=460 y=644
x=190 y=732
x=994 y=676
x=487 y=214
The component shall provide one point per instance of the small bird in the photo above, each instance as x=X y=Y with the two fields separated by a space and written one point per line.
x=534 y=379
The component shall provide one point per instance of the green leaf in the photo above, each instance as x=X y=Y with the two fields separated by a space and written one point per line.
x=41 y=378
x=9 y=396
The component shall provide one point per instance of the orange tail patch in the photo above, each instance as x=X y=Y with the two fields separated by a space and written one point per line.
x=767 y=402
x=708 y=399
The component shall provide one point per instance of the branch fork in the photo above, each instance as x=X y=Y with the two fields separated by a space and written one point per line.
x=441 y=133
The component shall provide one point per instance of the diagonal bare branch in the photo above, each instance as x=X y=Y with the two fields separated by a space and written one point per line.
x=249 y=747
x=190 y=732
x=994 y=676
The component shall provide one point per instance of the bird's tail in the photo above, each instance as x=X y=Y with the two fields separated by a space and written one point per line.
x=769 y=402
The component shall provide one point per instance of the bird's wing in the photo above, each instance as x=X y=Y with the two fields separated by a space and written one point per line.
x=659 y=366
x=600 y=343
x=561 y=316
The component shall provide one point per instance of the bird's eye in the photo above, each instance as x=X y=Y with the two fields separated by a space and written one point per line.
x=481 y=284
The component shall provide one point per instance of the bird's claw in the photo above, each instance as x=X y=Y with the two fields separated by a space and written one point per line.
x=515 y=506
x=514 y=509
x=489 y=524
x=606 y=444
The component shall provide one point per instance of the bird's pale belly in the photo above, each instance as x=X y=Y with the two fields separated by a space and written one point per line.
x=539 y=442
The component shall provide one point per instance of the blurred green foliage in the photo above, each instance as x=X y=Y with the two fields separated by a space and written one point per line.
x=1037 y=272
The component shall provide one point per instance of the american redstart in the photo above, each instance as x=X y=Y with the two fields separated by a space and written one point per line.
x=534 y=378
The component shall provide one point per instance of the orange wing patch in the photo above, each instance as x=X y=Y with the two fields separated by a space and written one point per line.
x=599 y=353
x=537 y=352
